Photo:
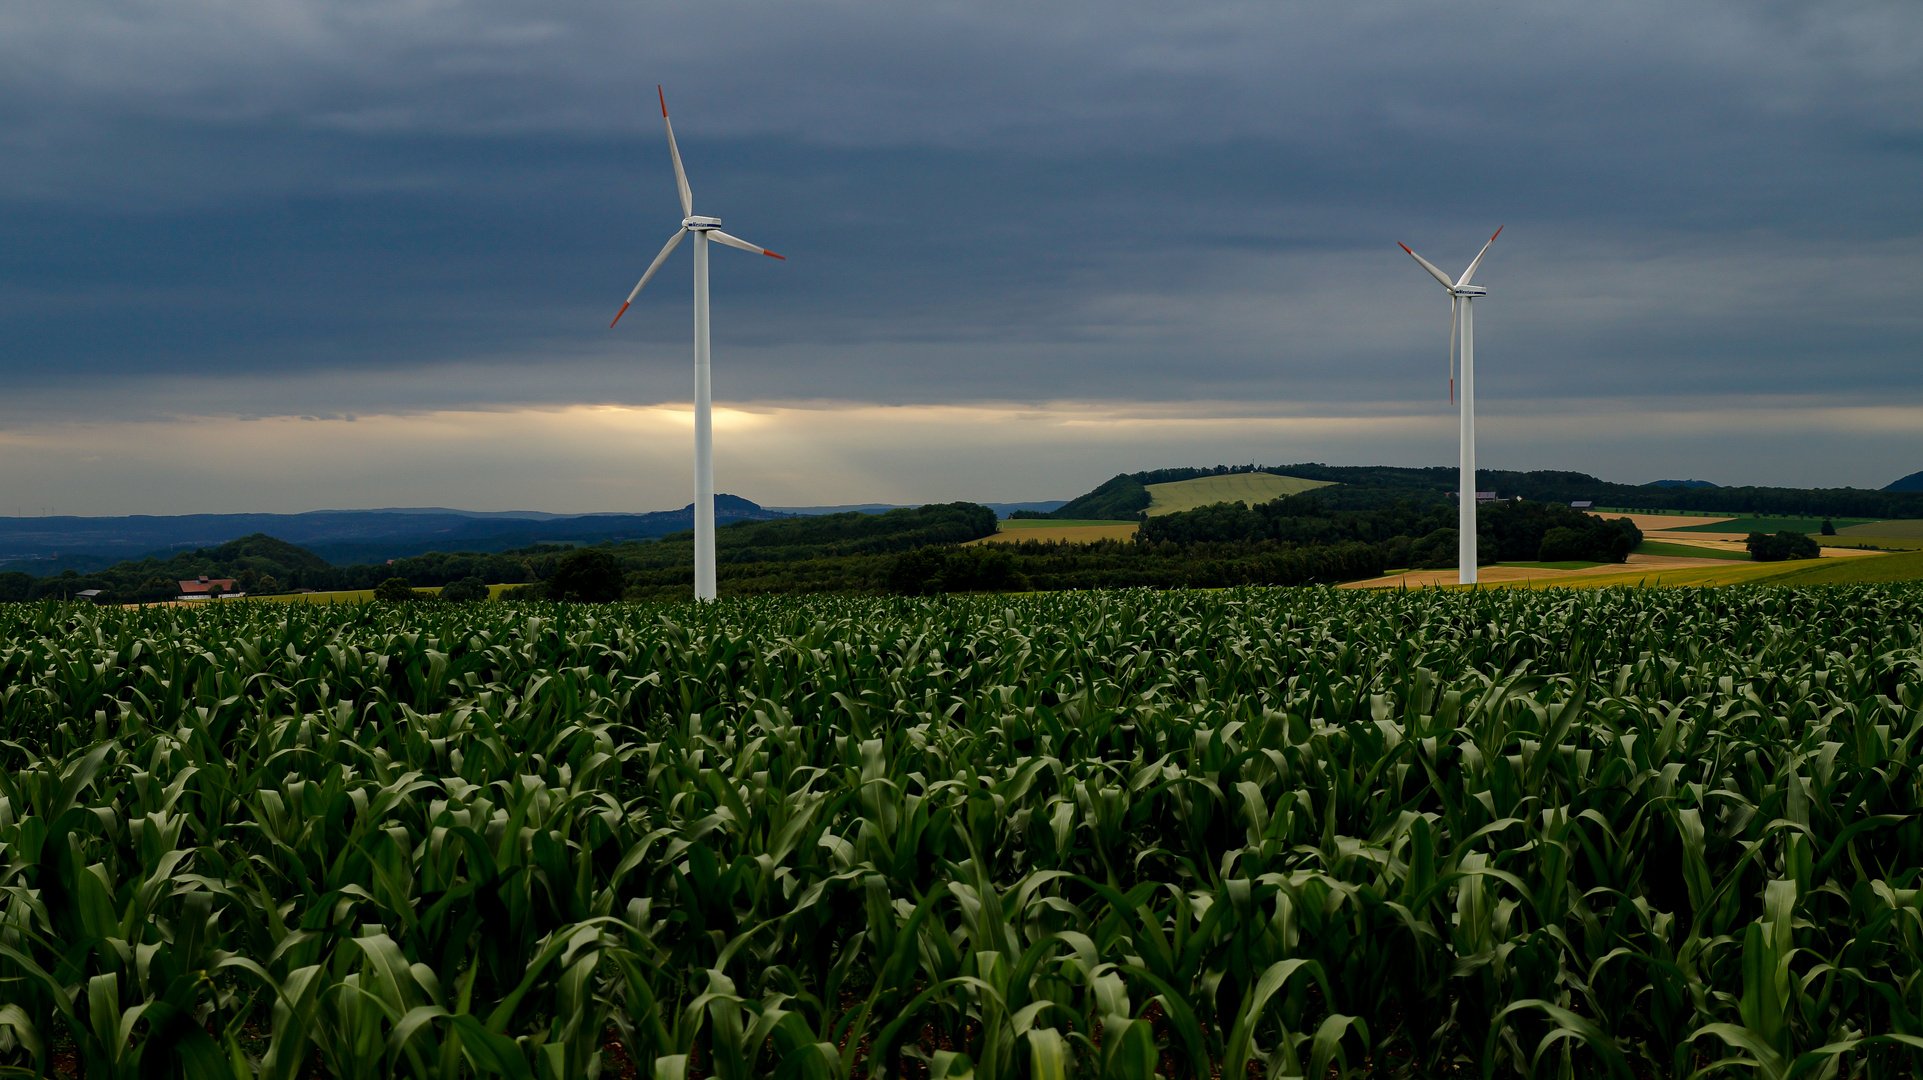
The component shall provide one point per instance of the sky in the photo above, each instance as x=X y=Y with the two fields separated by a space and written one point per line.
x=290 y=255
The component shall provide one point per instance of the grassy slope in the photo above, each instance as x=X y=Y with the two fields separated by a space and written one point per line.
x=1050 y=523
x=1886 y=543
x=1072 y=534
x=1250 y=488
x=1912 y=530
x=1691 y=551
x=1774 y=524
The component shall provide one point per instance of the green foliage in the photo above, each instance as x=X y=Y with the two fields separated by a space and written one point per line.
x=1286 y=833
x=1829 y=527
x=586 y=575
x=1767 y=547
x=1438 y=550
x=465 y=591
x=1026 y=515
x=1409 y=531
x=395 y=590
x=820 y=536
x=932 y=570
x=1122 y=498
x=1596 y=541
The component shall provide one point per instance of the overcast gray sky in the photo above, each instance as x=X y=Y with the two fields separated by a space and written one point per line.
x=299 y=254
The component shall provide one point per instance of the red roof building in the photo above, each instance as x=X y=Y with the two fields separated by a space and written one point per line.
x=205 y=585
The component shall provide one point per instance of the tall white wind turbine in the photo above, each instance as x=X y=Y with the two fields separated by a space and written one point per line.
x=704 y=229
x=1462 y=322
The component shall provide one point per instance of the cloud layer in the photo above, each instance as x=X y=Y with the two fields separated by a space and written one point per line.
x=430 y=207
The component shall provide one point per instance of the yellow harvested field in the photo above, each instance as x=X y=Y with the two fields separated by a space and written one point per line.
x=1661 y=522
x=1073 y=534
x=1740 y=542
x=1652 y=571
x=1910 y=529
x=348 y=596
x=1525 y=575
x=1249 y=488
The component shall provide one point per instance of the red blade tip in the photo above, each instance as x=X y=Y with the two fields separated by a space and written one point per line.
x=664 y=100
x=772 y=255
x=1498 y=232
x=617 y=315
x=1404 y=246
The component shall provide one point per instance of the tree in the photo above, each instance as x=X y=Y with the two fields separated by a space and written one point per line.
x=926 y=571
x=394 y=590
x=1829 y=527
x=587 y=575
x=1764 y=547
x=465 y=591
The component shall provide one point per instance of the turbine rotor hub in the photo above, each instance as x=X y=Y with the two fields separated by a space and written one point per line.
x=697 y=223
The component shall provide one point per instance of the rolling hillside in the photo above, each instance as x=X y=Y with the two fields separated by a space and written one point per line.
x=1251 y=489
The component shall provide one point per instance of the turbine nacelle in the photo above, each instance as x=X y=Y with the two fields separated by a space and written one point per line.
x=1468 y=290
x=697 y=223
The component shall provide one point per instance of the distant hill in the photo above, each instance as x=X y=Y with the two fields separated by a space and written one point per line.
x=1912 y=482
x=1126 y=496
x=1681 y=484
x=51 y=545
x=1001 y=509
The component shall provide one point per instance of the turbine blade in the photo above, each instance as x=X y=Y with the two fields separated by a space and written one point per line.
x=652 y=267
x=680 y=174
x=737 y=242
x=1455 y=314
x=1429 y=266
x=1471 y=272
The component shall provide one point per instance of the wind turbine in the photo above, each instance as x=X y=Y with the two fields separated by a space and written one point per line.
x=704 y=229
x=1462 y=321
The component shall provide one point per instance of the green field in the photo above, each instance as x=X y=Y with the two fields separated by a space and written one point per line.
x=1281 y=832
x=1775 y=524
x=357 y=596
x=1250 y=488
x=1690 y=551
x=1912 y=530
x=1878 y=543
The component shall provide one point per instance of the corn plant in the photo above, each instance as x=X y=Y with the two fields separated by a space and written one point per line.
x=1301 y=833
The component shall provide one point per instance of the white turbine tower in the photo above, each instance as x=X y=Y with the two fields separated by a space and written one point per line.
x=704 y=229
x=1462 y=320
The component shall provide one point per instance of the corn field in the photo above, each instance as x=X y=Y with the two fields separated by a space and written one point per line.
x=1110 y=835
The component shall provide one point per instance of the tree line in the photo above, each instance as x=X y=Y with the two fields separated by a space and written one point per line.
x=1125 y=497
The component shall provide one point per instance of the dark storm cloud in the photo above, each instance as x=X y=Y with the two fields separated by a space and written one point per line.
x=979 y=201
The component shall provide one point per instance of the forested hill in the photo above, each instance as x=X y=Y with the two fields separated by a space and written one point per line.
x=342 y=537
x=264 y=565
x=1126 y=496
